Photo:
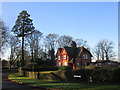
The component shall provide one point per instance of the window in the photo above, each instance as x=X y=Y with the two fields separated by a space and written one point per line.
x=59 y=64
x=85 y=64
x=58 y=57
x=78 y=64
x=64 y=57
x=99 y=65
x=65 y=63
x=85 y=56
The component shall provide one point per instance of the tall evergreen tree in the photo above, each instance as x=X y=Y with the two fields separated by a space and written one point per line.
x=23 y=26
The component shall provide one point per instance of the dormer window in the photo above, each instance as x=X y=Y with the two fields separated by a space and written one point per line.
x=64 y=57
x=85 y=56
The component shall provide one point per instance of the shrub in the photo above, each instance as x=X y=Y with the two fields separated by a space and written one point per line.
x=63 y=75
x=101 y=75
x=116 y=75
x=84 y=73
x=41 y=68
x=65 y=68
x=98 y=75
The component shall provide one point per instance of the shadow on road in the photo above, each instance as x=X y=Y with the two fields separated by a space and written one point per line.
x=8 y=85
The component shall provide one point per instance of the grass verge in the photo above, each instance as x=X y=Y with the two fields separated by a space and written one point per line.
x=63 y=86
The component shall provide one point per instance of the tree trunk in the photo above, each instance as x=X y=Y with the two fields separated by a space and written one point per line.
x=23 y=62
x=107 y=58
x=32 y=53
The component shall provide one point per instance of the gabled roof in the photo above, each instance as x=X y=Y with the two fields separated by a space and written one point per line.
x=82 y=49
x=72 y=52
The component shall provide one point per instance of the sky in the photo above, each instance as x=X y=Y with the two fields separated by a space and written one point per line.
x=91 y=21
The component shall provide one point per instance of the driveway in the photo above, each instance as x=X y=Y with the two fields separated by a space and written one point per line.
x=8 y=85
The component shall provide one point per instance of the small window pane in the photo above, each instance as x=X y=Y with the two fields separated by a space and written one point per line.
x=65 y=63
x=64 y=56
x=78 y=64
x=85 y=56
x=58 y=57
x=59 y=64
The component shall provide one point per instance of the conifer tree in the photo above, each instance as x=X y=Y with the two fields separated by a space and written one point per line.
x=23 y=26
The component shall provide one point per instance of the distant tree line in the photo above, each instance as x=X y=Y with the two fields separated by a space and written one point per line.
x=27 y=44
x=104 y=50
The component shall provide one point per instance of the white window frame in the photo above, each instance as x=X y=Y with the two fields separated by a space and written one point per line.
x=65 y=64
x=78 y=64
x=58 y=57
x=85 y=56
x=85 y=64
x=59 y=64
x=65 y=57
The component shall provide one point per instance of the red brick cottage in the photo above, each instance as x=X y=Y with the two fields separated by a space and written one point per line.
x=73 y=56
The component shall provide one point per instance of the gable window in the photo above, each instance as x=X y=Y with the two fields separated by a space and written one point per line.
x=58 y=57
x=85 y=56
x=64 y=57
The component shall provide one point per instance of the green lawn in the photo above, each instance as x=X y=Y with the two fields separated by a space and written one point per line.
x=47 y=71
x=64 y=86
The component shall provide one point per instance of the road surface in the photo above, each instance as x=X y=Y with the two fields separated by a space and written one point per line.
x=8 y=85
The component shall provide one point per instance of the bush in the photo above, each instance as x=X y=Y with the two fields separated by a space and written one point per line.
x=116 y=75
x=84 y=73
x=97 y=75
x=101 y=75
x=63 y=75
x=65 y=68
x=41 y=68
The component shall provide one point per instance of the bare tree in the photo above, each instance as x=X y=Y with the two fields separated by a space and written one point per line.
x=50 y=42
x=81 y=42
x=14 y=44
x=104 y=50
x=64 y=41
x=97 y=52
x=34 y=42
x=3 y=35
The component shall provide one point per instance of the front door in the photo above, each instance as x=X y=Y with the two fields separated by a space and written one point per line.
x=72 y=65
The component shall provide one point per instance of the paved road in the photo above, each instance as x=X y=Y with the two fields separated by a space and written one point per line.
x=8 y=85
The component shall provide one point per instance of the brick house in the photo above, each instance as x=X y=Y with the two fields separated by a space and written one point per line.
x=73 y=56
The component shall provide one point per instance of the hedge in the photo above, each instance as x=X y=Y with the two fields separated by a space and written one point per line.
x=84 y=73
x=101 y=75
x=40 y=68
x=97 y=75
x=116 y=75
x=65 y=68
